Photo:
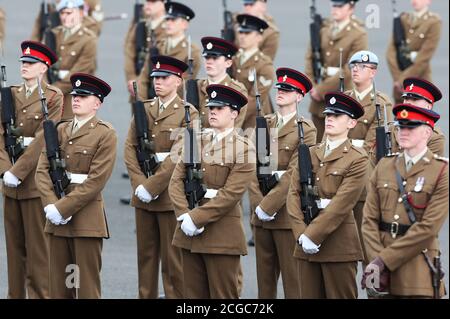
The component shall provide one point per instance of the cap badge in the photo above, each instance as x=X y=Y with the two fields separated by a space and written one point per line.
x=170 y=10
x=411 y=86
x=158 y=65
x=77 y=83
x=213 y=94
x=244 y=22
x=332 y=100
x=365 y=58
x=404 y=114
x=27 y=50
x=284 y=78
x=209 y=46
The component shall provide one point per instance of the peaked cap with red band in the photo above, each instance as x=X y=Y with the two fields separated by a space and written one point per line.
x=33 y=52
x=419 y=88
x=339 y=103
x=85 y=84
x=408 y=115
x=222 y=95
x=165 y=65
x=290 y=80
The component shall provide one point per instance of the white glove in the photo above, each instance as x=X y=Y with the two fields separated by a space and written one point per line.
x=308 y=246
x=53 y=215
x=142 y=194
x=188 y=227
x=10 y=180
x=263 y=216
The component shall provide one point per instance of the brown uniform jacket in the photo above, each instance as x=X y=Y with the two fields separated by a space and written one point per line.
x=271 y=37
x=410 y=274
x=161 y=128
x=203 y=97
x=340 y=177
x=2 y=25
x=179 y=52
x=130 y=48
x=422 y=37
x=266 y=76
x=29 y=119
x=75 y=54
x=92 y=151
x=227 y=169
x=285 y=142
x=351 y=39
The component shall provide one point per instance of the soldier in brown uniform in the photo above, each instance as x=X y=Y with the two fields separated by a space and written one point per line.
x=155 y=219
x=363 y=66
x=274 y=242
x=175 y=44
x=211 y=235
x=406 y=207
x=342 y=31
x=76 y=48
x=218 y=54
x=329 y=246
x=26 y=243
x=154 y=13
x=271 y=36
x=422 y=30
x=76 y=222
x=93 y=23
x=250 y=58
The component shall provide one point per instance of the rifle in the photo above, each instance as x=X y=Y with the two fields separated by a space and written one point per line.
x=382 y=133
x=13 y=144
x=191 y=84
x=193 y=188
x=308 y=195
x=341 y=72
x=227 y=32
x=314 y=31
x=48 y=20
x=137 y=11
x=437 y=277
x=48 y=37
x=57 y=165
x=153 y=51
x=266 y=179
x=402 y=50
x=145 y=150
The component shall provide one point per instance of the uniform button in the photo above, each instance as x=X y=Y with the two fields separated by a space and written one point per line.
x=36 y=117
x=207 y=100
x=321 y=164
x=334 y=173
x=170 y=129
x=385 y=185
x=365 y=121
x=238 y=70
x=24 y=111
x=400 y=200
x=73 y=53
x=411 y=31
x=273 y=140
x=287 y=147
x=203 y=113
x=206 y=154
x=153 y=135
x=148 y=39
x=396 y=217
x=317 y=179
x=21 y=124
x=331 y=42
x=62 y=47
x=404 y=183
x=156 y=123
x=348 y=28
x=421 y=36
x=84 y=152
x=67 y=156
x=70 y=142
x=221 y=164
x=92 y=124
x=203 y=169
x=327 y=54
x=270 y=154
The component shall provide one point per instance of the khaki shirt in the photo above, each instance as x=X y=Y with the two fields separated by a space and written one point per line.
x=422 y=37
x=285 y=143
x=226 y=167
x=91 y=150
x=29 y=118
x=410 y=275
x=339 y=177
x=202 y=84
x=163 y=131
x=351 y=39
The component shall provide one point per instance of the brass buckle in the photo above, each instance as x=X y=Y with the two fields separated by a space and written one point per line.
x=394 y=229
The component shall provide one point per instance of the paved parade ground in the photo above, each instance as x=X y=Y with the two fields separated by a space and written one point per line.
x=119 y=272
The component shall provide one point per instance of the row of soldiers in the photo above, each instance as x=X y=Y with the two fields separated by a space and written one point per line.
x=186 y=237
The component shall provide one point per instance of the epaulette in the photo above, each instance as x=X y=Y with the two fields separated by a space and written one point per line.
x=270 y=116
x=52 y=88
x=151 y=101
x=107 y=124
x=87 y=31
x=63 y=121
x=360 y=150
x=440 y=158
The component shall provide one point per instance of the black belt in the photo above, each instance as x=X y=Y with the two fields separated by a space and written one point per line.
x=394 y=228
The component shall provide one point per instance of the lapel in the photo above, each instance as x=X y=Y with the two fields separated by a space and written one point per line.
x=421 y=164
x=153 y=109
x=338 y=152
x=180 y=50
x=319 y=151
x=73 y=37
x=287 y=128
x=400 y=165
x=20 y=96
x=226 y=81
x=85 y=129
x=169 y=110
x=250 y=61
